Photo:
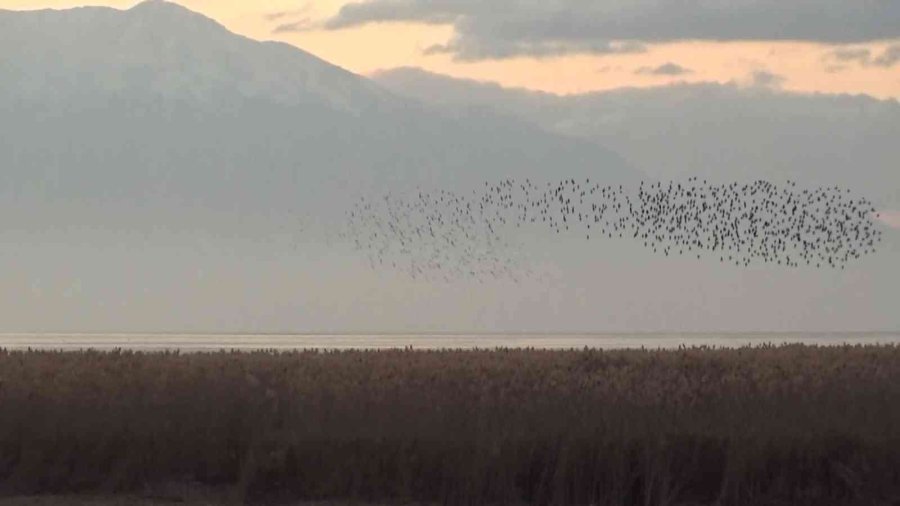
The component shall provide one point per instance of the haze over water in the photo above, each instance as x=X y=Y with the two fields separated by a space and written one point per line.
x=289 y=342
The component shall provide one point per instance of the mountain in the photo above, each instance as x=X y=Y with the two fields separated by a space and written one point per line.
x=128 y=116
x=161 y=173
x=163 y=50
x=723 y=132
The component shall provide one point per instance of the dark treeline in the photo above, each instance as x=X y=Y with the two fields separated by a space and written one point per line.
x=771 y=425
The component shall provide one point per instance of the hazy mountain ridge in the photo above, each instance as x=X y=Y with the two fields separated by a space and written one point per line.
x=158 y=107
x=720 y=131
x=161 y=48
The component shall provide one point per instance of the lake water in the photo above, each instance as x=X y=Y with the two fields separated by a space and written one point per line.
x=248 y=342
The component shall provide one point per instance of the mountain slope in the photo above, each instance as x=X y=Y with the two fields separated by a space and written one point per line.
x=158 y=116
x=723 y=132
x=162 y=49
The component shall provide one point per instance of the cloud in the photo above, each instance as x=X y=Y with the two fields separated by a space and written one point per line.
x=275 y=16
x=864 y=57
x=355 y=14
x=466 y=50
x=852 y=54
x=509 y=28
x=889 y=58
x=304 y=22
x=295 y=26
x=666 y=69
x=889 y=217
x=766 y=79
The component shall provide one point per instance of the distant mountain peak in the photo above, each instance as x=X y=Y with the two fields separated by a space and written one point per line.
x=147 y=4
x=164 y=6
x=169 y=12
x=153 y=3
x=161 y=49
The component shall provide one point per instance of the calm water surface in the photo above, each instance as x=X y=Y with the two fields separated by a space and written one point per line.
x=248 y=342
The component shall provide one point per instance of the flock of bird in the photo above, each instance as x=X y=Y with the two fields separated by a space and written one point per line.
x=446 y=234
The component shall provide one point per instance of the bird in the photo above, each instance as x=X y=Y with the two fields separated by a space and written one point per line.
x=441 y=234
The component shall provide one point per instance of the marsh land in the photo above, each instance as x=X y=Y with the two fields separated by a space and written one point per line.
x=766 y=425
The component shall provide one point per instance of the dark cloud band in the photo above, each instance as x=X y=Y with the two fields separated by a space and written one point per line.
x=665 y=70
x=508 y=28
x=864 y=56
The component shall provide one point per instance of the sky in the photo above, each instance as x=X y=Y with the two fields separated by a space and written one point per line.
x=92 y=256
x=811 y=46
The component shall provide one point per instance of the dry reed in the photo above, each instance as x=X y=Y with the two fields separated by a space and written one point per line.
x=770 y=425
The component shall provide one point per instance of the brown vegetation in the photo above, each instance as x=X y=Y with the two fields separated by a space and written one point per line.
x=772 y=425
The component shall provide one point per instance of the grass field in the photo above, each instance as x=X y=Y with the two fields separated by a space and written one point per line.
x=771 y=425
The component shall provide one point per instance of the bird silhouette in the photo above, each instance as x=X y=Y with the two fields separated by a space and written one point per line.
x=440 y=234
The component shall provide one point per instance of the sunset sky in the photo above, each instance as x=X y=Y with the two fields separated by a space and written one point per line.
x=829 y=46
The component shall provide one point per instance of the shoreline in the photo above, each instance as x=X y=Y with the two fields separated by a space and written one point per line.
x=190 y=343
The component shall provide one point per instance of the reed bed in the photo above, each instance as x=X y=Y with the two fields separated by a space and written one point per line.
x=769 y=425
